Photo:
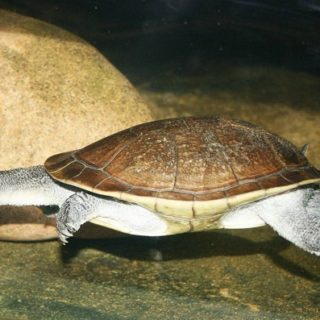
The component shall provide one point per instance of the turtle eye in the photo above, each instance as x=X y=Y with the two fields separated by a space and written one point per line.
x=49 y=210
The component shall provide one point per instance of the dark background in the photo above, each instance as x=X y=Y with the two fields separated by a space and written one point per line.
x=185 y=35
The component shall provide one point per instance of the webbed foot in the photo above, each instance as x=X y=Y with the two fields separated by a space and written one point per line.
x=74 y=212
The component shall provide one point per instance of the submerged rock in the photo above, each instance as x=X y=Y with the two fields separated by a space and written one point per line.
x=30 y=224
x=26 y=224
x=57 y=93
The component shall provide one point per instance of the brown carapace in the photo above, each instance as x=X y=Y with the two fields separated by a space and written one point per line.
x=188 y=166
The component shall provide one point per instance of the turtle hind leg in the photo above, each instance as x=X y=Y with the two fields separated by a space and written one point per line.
x=108 y=212
x=30 y=186
x=295 y=215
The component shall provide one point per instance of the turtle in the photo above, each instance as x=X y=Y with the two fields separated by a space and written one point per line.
x=178 y=175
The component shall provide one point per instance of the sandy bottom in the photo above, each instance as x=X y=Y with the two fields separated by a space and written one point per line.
x=243 y=274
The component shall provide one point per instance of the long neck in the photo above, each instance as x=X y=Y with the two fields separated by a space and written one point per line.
x=30 y=186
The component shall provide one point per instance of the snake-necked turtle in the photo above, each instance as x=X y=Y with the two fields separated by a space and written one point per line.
x=178 y=175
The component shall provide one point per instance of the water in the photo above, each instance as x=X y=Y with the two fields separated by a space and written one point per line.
x=253 y=60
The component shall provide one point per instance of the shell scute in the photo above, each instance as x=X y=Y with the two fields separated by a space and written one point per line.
x=243 y=188
x=70 y=171
x=273 y=181
x=207 y=196
x=59 y=161
x=130 y=166
x=109 y=185
x=87 y=174
x=207 y=162
x=103 y=152
x=201 y=161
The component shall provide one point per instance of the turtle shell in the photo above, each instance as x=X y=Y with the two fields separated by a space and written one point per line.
x=187 y=167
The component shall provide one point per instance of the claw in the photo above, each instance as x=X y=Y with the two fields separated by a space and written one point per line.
x=63 y=239
x=72 y=214
x=64 y=229
x=71 y=229
x=64 y=233
x=67 y=233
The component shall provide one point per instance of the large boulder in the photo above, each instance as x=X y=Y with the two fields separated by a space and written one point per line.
x=57 y=93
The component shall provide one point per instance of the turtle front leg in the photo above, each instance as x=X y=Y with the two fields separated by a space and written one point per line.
x=108 y=212
x=75 y=211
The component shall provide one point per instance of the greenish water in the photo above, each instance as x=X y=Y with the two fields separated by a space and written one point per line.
x=244 y=274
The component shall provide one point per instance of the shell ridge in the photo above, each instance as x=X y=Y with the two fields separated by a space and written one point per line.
x=78 y=174
x=266 y=138
x=261 y=187
x=226 y=157
x=63 y=167
x=114 y=156
x=105 y=173
x=125 y=183
x=100 y=182
x=241 y=182
x=76 y=158
x=223 y=189
x=285 y=178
